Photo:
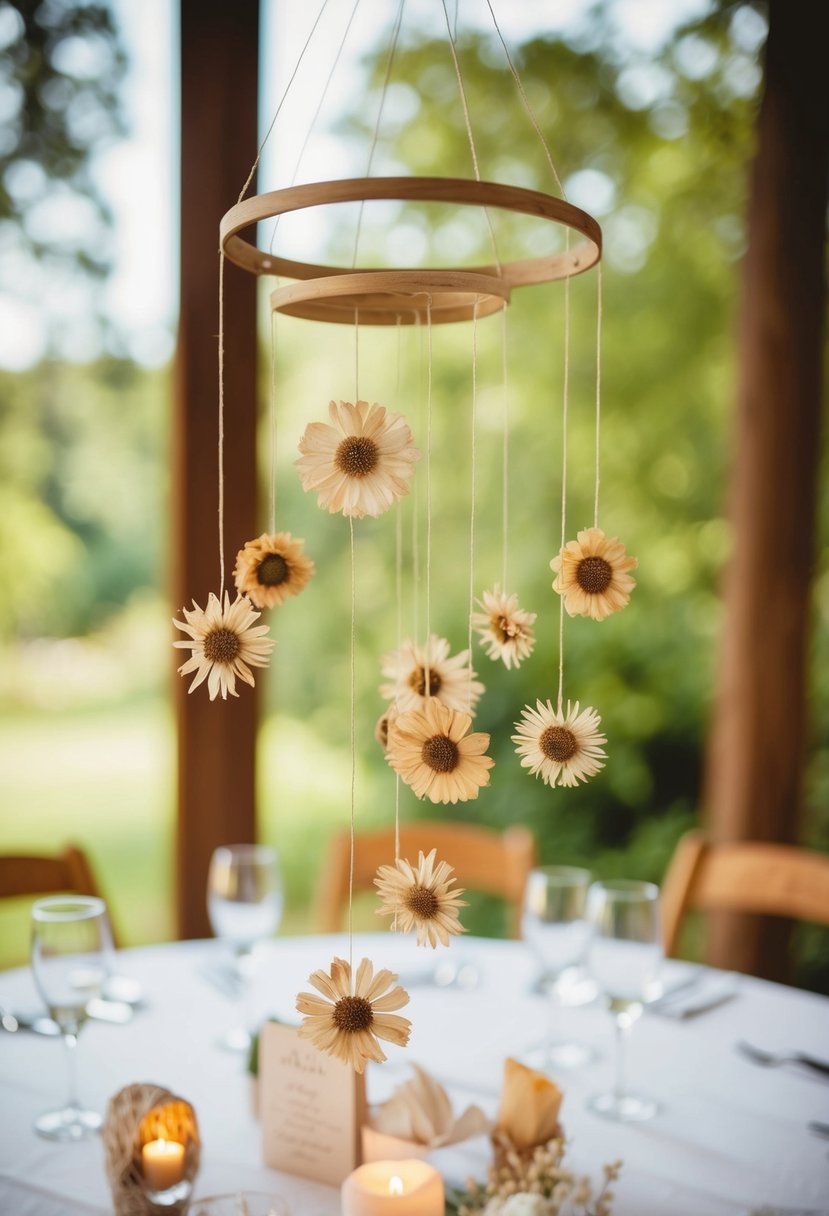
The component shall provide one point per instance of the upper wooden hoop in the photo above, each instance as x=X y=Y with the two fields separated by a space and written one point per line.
x=329 y=303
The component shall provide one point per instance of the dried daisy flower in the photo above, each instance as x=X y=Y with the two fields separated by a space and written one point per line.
x=418 y=673
x=505 y=629
x=592 y=574
x=418 y=897
x=272 y=568
x=433 y=753
x=381 y=730
x=564 y=748
x=225 y=644
x=347 y=1024
x=362 y=463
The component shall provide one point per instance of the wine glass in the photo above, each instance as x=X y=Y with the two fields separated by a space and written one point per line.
x=554 y=925
x=244 y=904
x=624 y=957
x=71 y=958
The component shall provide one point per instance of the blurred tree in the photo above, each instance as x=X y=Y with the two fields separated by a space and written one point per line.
x=60 y=72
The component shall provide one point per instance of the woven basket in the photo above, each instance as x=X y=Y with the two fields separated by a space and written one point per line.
x=135 y=1116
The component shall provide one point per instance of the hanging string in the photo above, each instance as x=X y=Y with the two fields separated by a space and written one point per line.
x=398 y=595
x=474 y=478
x=462 y=90
x=353 y=716
x=526 y=101
x=564 y=411
x=312 y=125
x=221 y=451
x=416 y=492
x=356 y=355
x=428 y=673
x=504 y=451
x=598 y=389
x=389 y=62
x=282 y=100
x=273 y=428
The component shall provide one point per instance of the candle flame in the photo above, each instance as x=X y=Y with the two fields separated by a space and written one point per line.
x=395 y=1185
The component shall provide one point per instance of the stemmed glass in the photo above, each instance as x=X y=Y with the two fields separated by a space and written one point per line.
x=624 y=957
x=554 y=925
x=244 y=904
x=71 y=958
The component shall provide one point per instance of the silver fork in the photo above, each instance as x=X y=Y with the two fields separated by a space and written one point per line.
x=771 y=1059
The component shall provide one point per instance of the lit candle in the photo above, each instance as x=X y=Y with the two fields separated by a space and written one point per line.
x=393 y=1188
x=162 y=1162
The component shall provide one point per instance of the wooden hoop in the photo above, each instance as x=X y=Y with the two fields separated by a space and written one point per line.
x=330 y=303
x=392 y=297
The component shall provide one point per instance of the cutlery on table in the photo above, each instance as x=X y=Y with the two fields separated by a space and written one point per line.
x=223 y=977
x=701 y=991
x=772 y=1059
x=13 y=1023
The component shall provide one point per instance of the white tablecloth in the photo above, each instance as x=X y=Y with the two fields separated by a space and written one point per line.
x=731 y=1137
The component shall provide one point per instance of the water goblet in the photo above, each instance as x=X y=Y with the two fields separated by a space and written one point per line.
x=554 y=925
x=71 y=958
x=244 y=904
x=624 y=957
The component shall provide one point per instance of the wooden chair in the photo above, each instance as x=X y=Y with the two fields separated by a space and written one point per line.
x=34 y=874
x=743 y=876
x=496 y=863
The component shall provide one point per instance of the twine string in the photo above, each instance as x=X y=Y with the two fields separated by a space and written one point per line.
x=504 y=451
x=598 y=391
x=398 y=595
x=468 y=124
x=375 y=137
x=473 y=478
x=565 y=402
x=273 y=426
x=428 y=673
x=525 y=101
x=221 y=443
x=352 y=670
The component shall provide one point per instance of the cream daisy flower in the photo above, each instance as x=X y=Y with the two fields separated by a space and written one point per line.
x=225 y=644
x=347 y=1024
x=564 y=748
x=360 y=464
x=418 y=897
x=433 y=753
x=272 y=568
x=381 y=730
x=418 y=673
x=592 y=574
x=505 y=629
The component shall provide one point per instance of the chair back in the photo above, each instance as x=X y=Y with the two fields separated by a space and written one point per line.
x=496 y=863
x=743 y=876
x=35 y=874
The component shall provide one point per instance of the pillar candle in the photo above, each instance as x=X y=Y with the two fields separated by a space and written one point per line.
x=393 y=1188
x=162 y=1162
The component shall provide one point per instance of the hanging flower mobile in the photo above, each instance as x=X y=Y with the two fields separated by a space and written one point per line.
x=417 y=674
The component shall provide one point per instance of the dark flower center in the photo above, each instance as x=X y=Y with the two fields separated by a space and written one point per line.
x=423 y=902
x=352 y=1013
x=221 y=646
x=502 y=628
x=440 y=753
x=594 y=575
x=558 y=743
x=357 y=456
x=273 y=570
x=417 y=681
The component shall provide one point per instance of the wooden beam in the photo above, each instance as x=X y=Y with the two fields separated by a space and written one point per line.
x=216 y=740
x=756 y=744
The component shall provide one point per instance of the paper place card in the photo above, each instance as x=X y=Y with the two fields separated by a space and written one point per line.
x=312 y=1108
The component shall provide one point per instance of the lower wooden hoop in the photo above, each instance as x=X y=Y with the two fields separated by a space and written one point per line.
x=394 y=297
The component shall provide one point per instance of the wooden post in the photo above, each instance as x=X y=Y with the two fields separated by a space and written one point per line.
x=216 y=740
x=756 y=744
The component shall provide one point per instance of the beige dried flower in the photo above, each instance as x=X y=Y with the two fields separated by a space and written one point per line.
x=505 y=630
x=272 y=568
x=592 y=574
x=419 y=898
x=224 y=644
x=563 y=748
x=434 y=753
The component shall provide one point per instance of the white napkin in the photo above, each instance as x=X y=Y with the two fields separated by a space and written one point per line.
x=419 y=1110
